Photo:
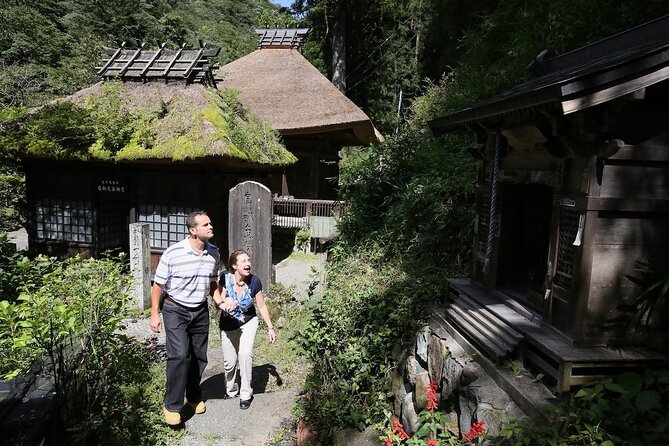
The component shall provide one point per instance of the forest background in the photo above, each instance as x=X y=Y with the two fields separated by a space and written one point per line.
x=410 y=198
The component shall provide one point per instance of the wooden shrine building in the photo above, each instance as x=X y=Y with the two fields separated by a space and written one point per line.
x=314 y=118
x=573 y=190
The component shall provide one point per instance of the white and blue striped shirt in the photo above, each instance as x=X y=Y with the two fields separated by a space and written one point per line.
x=186 y=275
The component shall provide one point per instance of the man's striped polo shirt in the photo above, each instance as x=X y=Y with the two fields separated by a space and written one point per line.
x=187 y=274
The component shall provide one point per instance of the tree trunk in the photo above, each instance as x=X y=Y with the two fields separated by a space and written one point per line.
x=338 y=41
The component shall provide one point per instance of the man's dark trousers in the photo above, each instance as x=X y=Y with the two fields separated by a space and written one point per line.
x=187 y=335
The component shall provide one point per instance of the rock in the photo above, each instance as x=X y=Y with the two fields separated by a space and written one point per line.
x=422 y=385
x=352 y=437
x=437 y=350
x=421 y=345
x=412 y=369
x=305 y=436
x=409 y=417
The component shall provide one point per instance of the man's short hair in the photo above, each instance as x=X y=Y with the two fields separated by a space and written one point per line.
x=190 y=218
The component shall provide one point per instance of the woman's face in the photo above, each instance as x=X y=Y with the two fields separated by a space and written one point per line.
x=243 y=265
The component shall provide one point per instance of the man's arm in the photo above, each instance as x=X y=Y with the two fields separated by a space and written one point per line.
x=156 y=292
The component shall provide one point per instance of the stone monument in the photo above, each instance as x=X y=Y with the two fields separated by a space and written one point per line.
x=140 y=264
x=250 y=227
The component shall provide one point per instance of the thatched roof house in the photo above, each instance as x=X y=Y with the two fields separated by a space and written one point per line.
x=314 y=118
x=149 y=149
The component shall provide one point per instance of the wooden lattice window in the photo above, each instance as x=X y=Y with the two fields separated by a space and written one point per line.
x=112 y=224
x=566 y=250
x=64 y=220
x=167 y=223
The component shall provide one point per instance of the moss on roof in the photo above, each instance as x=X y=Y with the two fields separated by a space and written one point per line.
x=132 y=121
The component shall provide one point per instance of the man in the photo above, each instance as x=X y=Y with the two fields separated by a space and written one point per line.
x=187 y=274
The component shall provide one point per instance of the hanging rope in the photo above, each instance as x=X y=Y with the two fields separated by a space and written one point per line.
x=492 y=222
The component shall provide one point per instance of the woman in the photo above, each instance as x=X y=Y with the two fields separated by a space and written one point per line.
x=239 y=323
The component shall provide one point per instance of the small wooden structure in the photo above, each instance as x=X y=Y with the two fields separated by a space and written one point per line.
x=182 y=65
x=573 y=189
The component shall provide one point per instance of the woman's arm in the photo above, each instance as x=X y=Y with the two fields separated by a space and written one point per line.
x=264 y=312
x=226 y=303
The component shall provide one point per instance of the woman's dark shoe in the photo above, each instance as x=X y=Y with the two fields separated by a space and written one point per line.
x=245 y=404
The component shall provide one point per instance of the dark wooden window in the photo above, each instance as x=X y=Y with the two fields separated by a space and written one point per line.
x=566 y=250
x=167 y=223
x=64 y=220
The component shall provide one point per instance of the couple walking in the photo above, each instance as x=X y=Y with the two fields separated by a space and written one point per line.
x=188 y=272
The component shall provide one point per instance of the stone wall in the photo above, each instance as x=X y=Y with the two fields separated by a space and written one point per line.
x=467 y=391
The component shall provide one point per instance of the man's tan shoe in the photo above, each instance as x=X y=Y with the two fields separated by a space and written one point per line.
x=198 y=408
x=172 y=418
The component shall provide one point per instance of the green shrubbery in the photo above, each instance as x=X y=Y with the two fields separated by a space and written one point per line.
x=629 y=410
x=63 y=320
x=413 y=195
x=407 y=228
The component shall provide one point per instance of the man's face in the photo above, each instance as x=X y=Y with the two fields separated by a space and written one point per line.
x=203 y=229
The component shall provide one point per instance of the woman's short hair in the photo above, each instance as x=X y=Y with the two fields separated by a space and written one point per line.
x=233 y=258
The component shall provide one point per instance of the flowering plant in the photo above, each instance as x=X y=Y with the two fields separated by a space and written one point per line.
x=433 y=431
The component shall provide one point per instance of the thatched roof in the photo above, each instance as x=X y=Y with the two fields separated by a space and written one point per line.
x=133 y=121
x=282 y=88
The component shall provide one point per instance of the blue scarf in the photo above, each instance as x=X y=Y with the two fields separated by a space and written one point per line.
x=243 y=303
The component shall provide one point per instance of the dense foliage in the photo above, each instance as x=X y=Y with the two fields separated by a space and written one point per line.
x=629 y=410
x=12 y=196
x=49 y=48
x=407 y=229
x=457 y=51
x=66 y=326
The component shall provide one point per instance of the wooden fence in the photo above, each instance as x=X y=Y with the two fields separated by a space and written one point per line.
x=296 y=212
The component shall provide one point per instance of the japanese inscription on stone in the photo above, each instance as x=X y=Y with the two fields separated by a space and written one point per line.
x=250 y=226
x=247 y=223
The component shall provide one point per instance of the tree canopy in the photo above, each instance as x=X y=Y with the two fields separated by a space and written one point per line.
x=49 y=48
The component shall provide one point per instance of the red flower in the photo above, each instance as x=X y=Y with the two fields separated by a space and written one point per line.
x=432 y=404
x=475 y=430
x=388 y=441
x=432 y=442
x=399 y=429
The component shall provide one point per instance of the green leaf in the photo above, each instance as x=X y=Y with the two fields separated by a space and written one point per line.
x=613 y=387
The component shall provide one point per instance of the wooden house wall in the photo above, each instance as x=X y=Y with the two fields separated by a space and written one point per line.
x=622 y=203
x=315 y=174
x=628 y=206
x=119 y=193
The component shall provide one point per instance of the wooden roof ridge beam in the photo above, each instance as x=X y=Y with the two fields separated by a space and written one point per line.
x=190 y=67
x=171 y=63
x=131 y=60
x=152 y=60
x=111 y=60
